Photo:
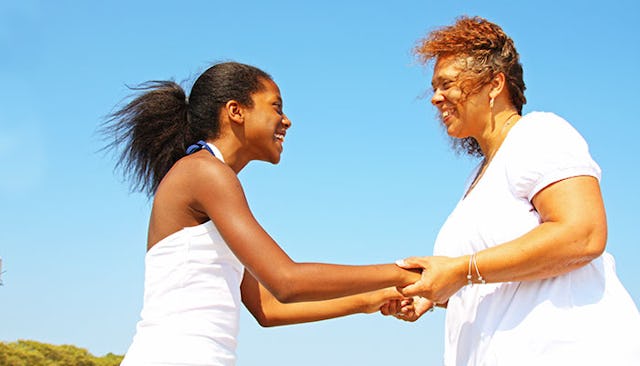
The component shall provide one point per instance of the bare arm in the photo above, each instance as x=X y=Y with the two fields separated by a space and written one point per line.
x=572 y=233
x=217 y=193
x=269 y=312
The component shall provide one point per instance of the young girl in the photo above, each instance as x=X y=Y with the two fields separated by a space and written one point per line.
x=205 y=250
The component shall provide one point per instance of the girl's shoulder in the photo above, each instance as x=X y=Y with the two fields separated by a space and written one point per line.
x=198 y=175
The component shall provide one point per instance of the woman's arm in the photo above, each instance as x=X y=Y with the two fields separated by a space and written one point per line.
x=573 y=231
x=269 y=312
x=217 y=193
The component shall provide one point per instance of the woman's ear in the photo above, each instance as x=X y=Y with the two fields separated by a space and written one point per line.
x=497 y=85
x=234 y=111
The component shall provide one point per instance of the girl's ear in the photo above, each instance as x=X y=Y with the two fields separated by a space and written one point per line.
x=497 y=85
x=234 y=111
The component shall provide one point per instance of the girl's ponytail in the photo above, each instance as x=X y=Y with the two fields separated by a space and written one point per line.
x=152 y=133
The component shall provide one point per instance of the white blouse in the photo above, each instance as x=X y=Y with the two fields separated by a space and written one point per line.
x=584 y=317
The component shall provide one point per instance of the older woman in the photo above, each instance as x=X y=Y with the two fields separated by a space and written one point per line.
x=520 y=264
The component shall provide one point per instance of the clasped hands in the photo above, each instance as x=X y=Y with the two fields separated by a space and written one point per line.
x=441 y=278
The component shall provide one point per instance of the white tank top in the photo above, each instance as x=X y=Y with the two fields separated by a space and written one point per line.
x=191 y=301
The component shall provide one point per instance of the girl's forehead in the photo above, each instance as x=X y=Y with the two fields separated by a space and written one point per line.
x=270 y=85
x=269 y=91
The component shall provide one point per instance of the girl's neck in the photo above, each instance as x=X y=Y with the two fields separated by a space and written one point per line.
x=232 y=153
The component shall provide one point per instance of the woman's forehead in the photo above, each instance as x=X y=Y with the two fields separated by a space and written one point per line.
x=447 y=67
x=451 y=66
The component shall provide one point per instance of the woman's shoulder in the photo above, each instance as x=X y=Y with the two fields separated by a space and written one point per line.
x=546 y=122
x=544 y=128
x=545 y=148
x=543 y=121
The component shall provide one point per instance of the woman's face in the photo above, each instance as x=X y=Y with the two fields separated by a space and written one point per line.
x=463 y=115
x=266 y=124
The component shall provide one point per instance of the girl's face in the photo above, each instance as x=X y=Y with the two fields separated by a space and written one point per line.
x=463 y=115
x=266 y=124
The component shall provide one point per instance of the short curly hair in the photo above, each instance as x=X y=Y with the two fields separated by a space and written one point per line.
x=487 y=50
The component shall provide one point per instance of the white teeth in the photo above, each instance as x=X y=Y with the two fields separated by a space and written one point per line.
x=279 y=136
x=445 y=114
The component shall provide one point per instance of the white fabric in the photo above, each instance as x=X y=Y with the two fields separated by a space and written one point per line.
x=192 y=301
x=216 y=151
x=584 y=317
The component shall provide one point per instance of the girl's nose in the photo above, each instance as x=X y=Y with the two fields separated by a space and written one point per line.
x=286 y=121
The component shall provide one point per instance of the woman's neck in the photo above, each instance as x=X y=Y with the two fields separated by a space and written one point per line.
x=496 y=131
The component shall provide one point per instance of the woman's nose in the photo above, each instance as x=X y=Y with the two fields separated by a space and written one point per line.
x=437 y=97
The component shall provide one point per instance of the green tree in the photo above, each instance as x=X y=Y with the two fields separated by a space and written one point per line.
x=32 y=353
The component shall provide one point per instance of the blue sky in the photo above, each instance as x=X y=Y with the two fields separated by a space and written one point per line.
x=367 y=175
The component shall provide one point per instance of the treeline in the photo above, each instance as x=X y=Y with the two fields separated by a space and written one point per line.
x=32 y=353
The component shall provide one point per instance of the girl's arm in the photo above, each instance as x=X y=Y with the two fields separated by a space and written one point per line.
x=216 y=192
x=269 y=312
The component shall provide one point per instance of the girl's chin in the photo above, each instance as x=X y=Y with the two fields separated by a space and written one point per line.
x=275 y=158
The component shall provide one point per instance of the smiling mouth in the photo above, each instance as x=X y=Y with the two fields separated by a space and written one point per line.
x=446 y=115
x=279 y=137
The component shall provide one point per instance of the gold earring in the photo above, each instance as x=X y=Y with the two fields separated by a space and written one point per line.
x=491 y=103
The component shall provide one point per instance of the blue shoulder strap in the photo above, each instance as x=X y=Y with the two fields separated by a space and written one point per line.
x=199 y=146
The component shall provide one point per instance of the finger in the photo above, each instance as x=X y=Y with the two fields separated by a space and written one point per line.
x=392 y=293
x=407 y=309
x=406 y=301
x=403 y=314
x=394 y=307
x=408 y=263
x=408 y=317
x=411 y=290
x=384 y=309
x=424 y=307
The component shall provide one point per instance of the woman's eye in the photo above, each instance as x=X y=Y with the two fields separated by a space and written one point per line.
x=445 y=85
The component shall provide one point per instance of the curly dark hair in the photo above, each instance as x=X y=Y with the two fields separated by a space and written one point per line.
x=487 y=51
x=154 y=129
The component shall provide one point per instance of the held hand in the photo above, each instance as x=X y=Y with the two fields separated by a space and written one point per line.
x=373 y=301
x=409 y=309
x=441 y=277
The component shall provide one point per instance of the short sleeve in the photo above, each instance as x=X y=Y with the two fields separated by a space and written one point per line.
x=543 y=149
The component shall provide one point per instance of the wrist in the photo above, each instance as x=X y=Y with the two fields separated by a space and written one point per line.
x=358 y=305
x=473 y=275
x=410 y=275
x=462 y=270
